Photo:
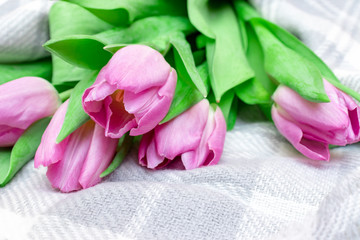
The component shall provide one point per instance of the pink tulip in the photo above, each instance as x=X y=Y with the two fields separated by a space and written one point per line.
x=196 y=136
x=310 y=127
x=22 y=102
x=133 y=92
x=79 y=159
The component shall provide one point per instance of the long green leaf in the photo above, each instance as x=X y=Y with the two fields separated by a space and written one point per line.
x=225 y=54
x=87 y=51
x=252 y=92
x=5 y=154
x=186 y=63
x=186 y=95
x=296 y=45
x=9 y=72
x=290 y=68
x=75 y=115
x=120 y=13
x=229 y=108
x=245 y=11
x=22 y=152
x=80 y=50
x=66 y=19
x=259 y=89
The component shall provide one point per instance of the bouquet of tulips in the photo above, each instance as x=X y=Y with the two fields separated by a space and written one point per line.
x=165 y=77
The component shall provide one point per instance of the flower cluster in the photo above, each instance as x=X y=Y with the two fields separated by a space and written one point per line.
x=310 y=127
x=132 y=93
x=167 y=80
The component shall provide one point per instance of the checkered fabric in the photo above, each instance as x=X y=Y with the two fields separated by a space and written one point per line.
x=261 y=189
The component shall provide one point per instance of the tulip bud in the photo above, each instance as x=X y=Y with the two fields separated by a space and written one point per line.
x=133 y=92
x=79 y=159
x=310 y=127
x=22 y=102
x=196 y=136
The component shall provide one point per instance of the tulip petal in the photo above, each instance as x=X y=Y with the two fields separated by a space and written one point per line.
x=310 y=148
x=148 y=155
x=144 y=144
x=354 y=114
x=136 y=68
x=9 y=135
x=354 y=127
x=119 y=121
x=217 y=139
x=18 y=98
x=49 y=152
x=65 y=174
x=93 y=101
x=154 y=160
x=154 y=105
x=211 y=143
x=183 y=133
x=99 y=157
x=104 y=104
x=325 y=116
x=197 y=157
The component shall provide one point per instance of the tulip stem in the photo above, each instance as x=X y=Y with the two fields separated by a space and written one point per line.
x=65 y=95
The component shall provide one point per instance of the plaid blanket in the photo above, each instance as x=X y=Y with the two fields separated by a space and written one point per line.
x=261 y=189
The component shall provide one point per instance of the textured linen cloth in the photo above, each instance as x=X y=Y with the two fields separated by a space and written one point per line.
x=23 y=29
x=261 y=189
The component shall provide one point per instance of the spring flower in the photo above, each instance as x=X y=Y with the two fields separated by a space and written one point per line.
x=310 y=127
x=78 y=160
x=133 y=92
x=22 y=102
x=196 y=137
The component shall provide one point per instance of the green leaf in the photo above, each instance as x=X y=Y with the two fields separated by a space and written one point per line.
x=229 y=108
x=242 y=27
x=80 y=50
x=252 y=92
x=290 y=68
x=65 y=73
x=244 y=10
x=87 y=51
x=224 y=50
x=266 y=109
x=201 y=41
x=185 y=63
x=64 y=86
x=199 y=56
x=9 y=72
x=120 y=13
x=22 y=152
x=203 y=70
x=146 y=30
x=5 y=154
x=259 y=89
x=66 y=19
x=255 y=56
x=124 y=146
x=186 y=94
x=296 y=45
x=75 y=115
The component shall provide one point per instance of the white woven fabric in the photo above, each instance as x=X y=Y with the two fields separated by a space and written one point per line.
x=23 y=29
x=261 y=189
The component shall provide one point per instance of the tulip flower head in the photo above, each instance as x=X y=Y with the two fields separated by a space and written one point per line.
x=22 y=102
x=196 y=137
x=133 y=92
x=310 y=127
x=78 y=160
